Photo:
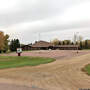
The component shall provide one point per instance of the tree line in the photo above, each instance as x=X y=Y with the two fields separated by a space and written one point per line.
x=12 y=45
x=83 y=44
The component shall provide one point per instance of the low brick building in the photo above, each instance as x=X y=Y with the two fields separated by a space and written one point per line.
x=43 y=45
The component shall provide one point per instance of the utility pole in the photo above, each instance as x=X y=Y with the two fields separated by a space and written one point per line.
x=77 y=39
x=39 y=37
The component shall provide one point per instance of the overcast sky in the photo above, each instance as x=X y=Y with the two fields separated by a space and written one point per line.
x=31 y=20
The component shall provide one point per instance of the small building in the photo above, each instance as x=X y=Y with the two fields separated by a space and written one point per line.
x=42 y=45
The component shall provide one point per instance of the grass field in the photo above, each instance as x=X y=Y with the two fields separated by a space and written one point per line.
x=87 y=69
x=15 y=61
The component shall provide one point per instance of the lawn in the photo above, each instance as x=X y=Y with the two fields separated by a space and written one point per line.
x=87 y=69
x=15 y=61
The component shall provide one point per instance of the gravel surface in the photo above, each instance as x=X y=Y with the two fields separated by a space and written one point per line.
x=57 y=54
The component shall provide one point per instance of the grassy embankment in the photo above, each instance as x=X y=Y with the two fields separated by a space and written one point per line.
x=15 y=61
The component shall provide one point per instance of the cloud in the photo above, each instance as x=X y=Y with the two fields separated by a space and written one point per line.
x=27 y=18
x=18 y=11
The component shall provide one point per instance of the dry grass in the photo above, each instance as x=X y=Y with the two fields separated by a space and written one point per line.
x=62 y=74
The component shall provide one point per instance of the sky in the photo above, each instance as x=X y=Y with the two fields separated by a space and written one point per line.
x=31 y=20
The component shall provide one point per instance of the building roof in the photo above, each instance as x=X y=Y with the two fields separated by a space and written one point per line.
x=42 y=44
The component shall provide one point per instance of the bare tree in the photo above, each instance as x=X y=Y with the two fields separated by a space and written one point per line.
x=80 y=38
x=75 y=38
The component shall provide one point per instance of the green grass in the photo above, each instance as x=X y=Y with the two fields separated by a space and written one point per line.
x=15 y=61
x=87 y=69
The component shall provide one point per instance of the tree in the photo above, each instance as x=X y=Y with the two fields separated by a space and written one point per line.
x=17 y=43
x=76 y=43
x=67 y=42
x=14 y=44
x=59 y=43
x=3 y=42
x=6 y=43
x=80 y=38
x=72 y=43
x=63 y=43
x=81 y=46
x=75 y=38
x=86 y=44
x=55 y=42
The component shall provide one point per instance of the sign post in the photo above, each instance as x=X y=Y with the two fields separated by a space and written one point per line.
x=19 y=51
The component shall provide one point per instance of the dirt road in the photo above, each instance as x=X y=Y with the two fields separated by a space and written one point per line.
x=64 y=74
x=16 y=87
